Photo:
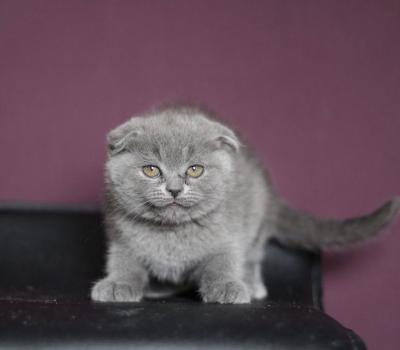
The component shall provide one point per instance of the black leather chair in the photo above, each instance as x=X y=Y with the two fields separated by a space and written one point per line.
x=50 y=256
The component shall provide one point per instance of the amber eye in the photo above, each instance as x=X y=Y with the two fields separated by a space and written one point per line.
x=195 y=170
x=151 y=171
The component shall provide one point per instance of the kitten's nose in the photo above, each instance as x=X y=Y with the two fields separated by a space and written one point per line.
x=174 y=192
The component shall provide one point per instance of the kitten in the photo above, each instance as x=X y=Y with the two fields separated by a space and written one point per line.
x=185 y=201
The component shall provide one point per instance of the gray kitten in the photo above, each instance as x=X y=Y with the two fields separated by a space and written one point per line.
x=186 y=202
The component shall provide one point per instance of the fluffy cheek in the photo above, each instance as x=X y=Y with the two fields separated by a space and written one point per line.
x=126 y=180
x=212 y=186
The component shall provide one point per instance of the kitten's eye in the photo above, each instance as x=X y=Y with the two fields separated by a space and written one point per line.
x=151 y=171
x=195 y=170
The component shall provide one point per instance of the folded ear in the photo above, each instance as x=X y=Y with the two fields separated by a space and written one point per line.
x=117 y=138
x=227 y=139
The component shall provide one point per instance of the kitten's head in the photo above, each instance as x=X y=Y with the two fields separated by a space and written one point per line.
x=171 y=166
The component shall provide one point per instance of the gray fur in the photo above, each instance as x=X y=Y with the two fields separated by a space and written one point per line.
x=214 y=235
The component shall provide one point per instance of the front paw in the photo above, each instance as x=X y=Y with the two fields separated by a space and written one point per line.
x=110 y=290
x=233 y=292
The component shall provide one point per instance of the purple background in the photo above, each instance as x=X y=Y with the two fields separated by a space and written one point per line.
x=314 y=86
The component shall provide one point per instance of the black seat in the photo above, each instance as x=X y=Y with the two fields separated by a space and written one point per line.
x=50 y=256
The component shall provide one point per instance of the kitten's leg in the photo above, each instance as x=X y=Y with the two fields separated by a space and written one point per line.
x=220 y=280
x=125 y=280
x=254 y=281
x=253 y=266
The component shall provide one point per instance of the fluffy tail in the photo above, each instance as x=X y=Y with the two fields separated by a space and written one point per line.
x=303 y=230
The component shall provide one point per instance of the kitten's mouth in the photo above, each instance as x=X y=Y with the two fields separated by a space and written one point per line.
x=172 y=205
x=176 y=204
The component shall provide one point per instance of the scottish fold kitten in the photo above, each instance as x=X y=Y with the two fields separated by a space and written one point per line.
x=185 y=201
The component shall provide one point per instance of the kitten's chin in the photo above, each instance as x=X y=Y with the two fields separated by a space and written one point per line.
x=169 y=214
x=179 y=214
x=176 y=213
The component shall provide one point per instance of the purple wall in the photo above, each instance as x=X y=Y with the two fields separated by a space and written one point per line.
x=313 y=85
